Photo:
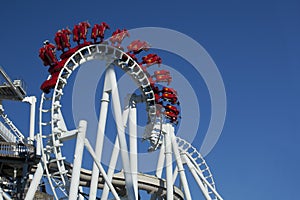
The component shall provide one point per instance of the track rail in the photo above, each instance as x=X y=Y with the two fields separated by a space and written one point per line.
x=198 y=161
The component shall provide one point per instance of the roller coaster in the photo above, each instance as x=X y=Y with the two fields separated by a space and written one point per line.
x=37 y=167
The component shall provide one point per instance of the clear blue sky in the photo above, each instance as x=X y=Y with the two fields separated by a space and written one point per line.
x=256 y=47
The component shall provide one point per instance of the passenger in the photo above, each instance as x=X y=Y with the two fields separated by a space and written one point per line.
x=65 y=38
x=47 y=54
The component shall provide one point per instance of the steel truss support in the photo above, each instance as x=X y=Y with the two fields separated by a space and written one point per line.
x=179 y=164
x=110 y=87
x=101 y=169
x=114 y=156
x=74 y=187
x=81 y=142
x=167 y=147
x=160 y=166
x=160 y=162
x=35 y=181
x=32 y=101
x=100 y=136
x=110 y=79
x=130 y=116
x=133 y=145
x=168 y=129
x=169 y=167
x=121 y=133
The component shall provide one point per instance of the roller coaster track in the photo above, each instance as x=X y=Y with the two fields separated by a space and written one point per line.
x=54 y=131
x=198 y=161
x=51 y=106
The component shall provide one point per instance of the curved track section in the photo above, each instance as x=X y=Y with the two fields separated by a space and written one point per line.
x=198 y=161
x=50 y=107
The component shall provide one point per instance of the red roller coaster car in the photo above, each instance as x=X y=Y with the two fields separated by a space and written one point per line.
x=162 y=76
x=171 y=108
x=80 y=31
x=172 y=98
x=62 y=39
x=49 y=84
x=118 y=36
x=137 y=46
x=98 y=30
x=151 y=59
x=169 y=90
x=171 y=116
x=161 y=72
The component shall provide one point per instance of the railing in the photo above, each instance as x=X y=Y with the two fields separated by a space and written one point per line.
x=17 y=150
x=6 y=134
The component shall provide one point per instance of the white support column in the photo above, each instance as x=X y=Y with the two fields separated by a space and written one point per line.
x=32 y=118
x=38 y=140
x=100 y=136
x=133 y=145
x=111 y=168
x=101 y=169
x=121 y=134
x=196 y=177
x=161 y=160
x=35 y=181
x=169 y=167
x=160 y=165
x=175 y=174
x=77 y=160
x=32 y=101
x=179 y=164
x=114 y=156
